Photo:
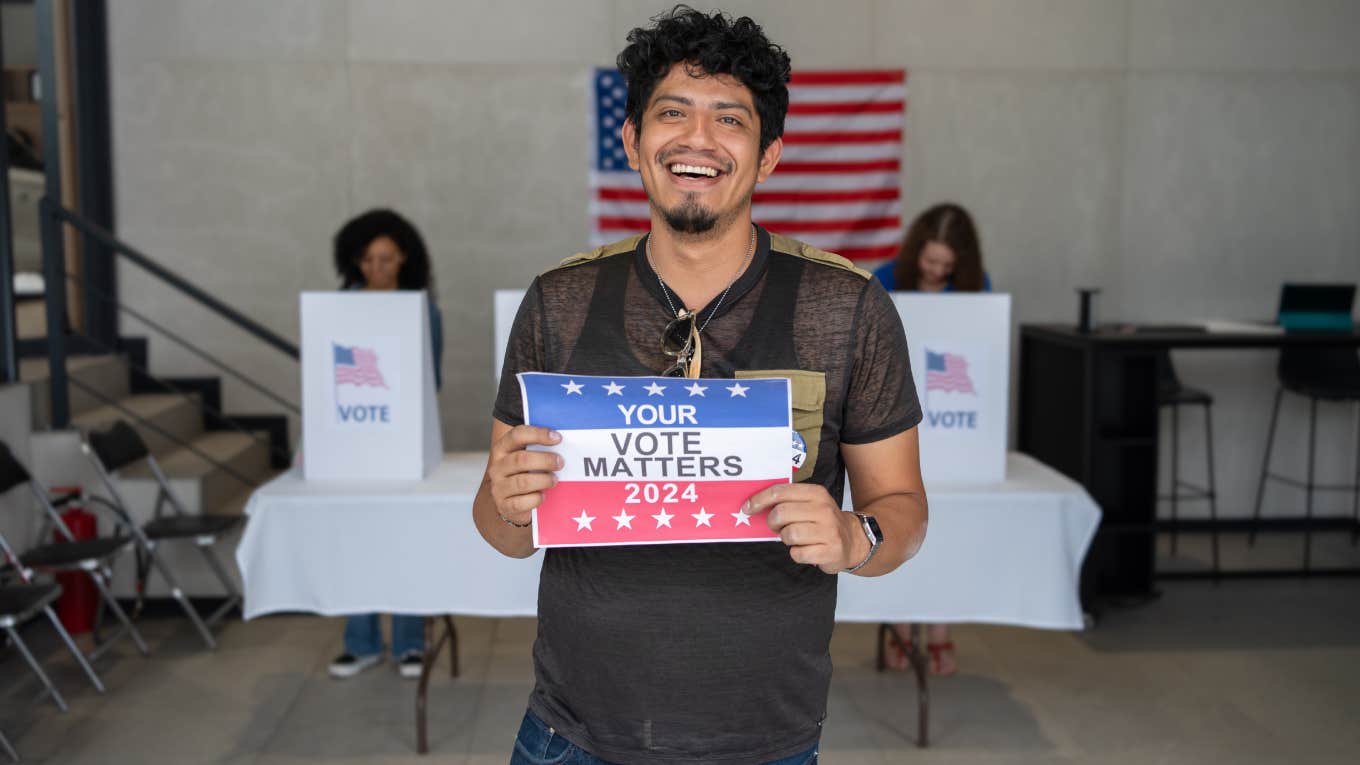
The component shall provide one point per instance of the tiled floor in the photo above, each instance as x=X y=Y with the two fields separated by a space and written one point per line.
x=1241 y=672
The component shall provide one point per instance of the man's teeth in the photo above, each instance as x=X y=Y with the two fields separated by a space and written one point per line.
x=679 y=169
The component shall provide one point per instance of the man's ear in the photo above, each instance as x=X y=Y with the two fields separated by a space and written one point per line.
x=770 y=159
x=629 y=135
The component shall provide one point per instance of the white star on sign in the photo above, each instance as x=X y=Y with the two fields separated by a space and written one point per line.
x=738 y=389
x=663 y=518
x=625 y=520
x=696 y=390
x=583 y=522
x=572 y=387
x=701 y=518
x=654 y=390
x=742 y=519
x=613 y=389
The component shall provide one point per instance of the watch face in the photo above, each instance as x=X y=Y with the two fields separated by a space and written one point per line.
x=872 y=522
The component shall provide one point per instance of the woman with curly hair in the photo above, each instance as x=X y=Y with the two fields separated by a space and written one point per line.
x=380 y=250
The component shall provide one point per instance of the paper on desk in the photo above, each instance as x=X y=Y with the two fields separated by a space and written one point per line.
x=1228 y=327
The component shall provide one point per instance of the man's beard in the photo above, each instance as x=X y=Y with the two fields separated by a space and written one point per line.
x=690 y=217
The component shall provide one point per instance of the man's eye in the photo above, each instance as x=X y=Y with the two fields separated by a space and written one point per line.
x=730 y=120
x=670 y=113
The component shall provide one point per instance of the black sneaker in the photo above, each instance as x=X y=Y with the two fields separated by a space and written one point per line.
x=411 y=664
x=349 y=665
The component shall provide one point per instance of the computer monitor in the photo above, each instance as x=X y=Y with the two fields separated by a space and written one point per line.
x=1324 y=307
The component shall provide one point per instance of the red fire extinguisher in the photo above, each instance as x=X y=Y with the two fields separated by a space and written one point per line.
x=79 y=597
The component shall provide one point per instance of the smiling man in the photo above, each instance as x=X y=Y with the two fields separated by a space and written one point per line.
x=713 y=653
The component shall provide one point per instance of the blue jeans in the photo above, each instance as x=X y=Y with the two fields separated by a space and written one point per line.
x=363 y=635
x=538 y=744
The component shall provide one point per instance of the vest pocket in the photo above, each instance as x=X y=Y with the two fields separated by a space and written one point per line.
x=808 y=396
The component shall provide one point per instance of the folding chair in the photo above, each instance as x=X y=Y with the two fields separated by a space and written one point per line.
x=119 y=446
x=25 y=600
x=9 y=750
x=93 y=556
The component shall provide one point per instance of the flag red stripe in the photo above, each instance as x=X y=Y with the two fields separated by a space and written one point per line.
x=769 y=197
x=814 y=197
x=624 y=224
x=779 y=226
x=867 y=253
x=851 y=224
x=877 y=136
x=848 y=107
x=875 y=166
x=835 y=77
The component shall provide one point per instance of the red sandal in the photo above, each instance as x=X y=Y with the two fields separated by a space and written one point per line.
x=895 y=651
x=937 y=651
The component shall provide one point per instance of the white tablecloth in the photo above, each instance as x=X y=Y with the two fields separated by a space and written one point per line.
x=1008 y=553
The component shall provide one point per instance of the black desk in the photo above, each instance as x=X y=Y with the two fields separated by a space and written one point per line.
x=1088 y=407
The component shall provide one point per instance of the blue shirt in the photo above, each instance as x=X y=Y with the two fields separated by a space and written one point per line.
x=884 y=274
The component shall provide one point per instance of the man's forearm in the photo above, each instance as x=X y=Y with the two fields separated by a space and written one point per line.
x=902 y=518
x=508 y=540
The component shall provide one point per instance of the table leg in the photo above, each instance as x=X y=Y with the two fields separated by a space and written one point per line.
x=431 y=653
x=916 y=658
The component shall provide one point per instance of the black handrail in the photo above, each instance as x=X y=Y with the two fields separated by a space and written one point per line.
x=48 y=207
x=181 y=342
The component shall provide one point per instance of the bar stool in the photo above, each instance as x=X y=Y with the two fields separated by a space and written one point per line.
x=1318 y=374
x=1173 y=394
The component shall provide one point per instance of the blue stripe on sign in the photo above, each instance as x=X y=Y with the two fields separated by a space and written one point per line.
x=574 y=402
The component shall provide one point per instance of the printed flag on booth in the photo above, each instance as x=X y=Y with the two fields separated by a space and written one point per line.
x=357 y=366
x=658 y=460
x=836 y=188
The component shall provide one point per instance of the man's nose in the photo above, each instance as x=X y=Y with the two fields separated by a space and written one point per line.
x=698 y=133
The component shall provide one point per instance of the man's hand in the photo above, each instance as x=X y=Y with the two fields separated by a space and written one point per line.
x=518 y=476
x=817 y=532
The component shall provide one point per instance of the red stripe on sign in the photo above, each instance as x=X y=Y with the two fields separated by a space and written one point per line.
x=878 y=136
x=876 y=166
x=847 y=78
x=852 y=107
x=814 y=197
x=850 y=224
x=582 y=513
x=868 y=253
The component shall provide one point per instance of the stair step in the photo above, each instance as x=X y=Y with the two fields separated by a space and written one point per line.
x=107 y=374
x=246 y=455
x=175 y=414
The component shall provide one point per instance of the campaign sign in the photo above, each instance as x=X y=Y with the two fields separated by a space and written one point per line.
x=658 y=460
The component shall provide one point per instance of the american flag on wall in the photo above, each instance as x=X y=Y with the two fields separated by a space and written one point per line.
x=836 y=188
x=357 y=366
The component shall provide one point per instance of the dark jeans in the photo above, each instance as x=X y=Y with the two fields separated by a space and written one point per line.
x=537 y=744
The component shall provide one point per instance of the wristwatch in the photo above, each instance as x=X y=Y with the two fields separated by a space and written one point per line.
x=875 y=535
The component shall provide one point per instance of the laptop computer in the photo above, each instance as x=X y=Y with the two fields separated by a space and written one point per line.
x=1317 y=307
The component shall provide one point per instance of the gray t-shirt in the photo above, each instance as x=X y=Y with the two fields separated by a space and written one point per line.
x=714 y=653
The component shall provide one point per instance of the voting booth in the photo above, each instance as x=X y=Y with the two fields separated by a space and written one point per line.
x=960 y=360
x=369 y=410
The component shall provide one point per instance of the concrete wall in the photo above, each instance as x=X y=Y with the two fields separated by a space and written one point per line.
x=1186 y=155
x=18 y=510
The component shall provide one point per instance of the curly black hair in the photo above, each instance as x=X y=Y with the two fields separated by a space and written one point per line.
x=709 y=44
x=353 y=238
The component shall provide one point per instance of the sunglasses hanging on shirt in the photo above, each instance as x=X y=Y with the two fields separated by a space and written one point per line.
x=681 y=339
